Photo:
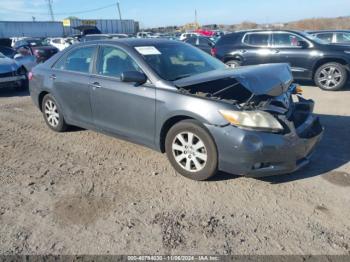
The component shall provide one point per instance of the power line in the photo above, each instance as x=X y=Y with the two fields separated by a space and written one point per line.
x=64 y=13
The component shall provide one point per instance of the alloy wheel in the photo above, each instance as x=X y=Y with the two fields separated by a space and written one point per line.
x=51 y=113
x=189 y=151
x=329 y=77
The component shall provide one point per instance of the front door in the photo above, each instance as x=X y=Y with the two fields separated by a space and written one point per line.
x=119 y=107
x=295 y=51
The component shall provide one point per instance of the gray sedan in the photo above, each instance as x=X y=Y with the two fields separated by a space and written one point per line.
x=177 y=99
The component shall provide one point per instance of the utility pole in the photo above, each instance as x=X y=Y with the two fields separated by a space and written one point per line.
x=195 y=16
x=49 y=3
x=120 y=17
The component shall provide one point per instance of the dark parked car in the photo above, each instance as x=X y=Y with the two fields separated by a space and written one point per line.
x=174 y=98
x=12 y=74
x=309 y=57
x=36 y=46
x=333 y=36
x=203 y=43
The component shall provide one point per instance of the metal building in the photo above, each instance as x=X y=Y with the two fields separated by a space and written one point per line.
x=32 y=29
x=106 y=26
x=65 y=28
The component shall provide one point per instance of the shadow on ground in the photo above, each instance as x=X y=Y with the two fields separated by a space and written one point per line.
x=312 y=84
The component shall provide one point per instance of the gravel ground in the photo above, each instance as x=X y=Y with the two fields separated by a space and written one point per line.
x=82 y=192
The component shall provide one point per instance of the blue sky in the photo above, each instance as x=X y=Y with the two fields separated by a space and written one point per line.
x=177 y=12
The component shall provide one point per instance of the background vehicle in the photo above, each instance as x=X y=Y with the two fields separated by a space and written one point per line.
x=201 y=42
x=27 y=60
x=12 y=74
x=93 y=37
x=310 y=58
x=174 y=98
x=333 y=36
x=145 y=35
x=38 y=47
x=60 y=43
x=183 y=36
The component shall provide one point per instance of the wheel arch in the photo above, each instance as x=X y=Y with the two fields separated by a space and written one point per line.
x=233 y=57
x=41 y=98
x=170 y=122
x=329 y=60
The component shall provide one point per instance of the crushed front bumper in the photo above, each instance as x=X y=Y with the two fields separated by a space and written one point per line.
x=259 y=154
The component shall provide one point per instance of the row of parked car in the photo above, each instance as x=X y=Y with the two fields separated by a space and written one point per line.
x=321 y=56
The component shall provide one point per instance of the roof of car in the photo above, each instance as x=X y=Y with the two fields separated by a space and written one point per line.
x=138 y=41
x=329 y=31
x=267 y=30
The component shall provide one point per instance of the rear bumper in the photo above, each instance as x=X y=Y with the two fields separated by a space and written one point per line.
x=259 y=154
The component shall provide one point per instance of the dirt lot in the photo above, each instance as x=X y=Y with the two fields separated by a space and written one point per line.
x=86 y=193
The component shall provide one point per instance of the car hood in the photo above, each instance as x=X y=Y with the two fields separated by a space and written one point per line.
x=267 y=79
x=7 y=65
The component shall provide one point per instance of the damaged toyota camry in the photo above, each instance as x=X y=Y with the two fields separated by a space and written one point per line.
x=176 y=99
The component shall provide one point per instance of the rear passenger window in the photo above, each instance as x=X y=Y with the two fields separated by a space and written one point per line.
x=343 y=37
x=257 y=39
x=113 y=61
x=325 y=36
x=78 y=60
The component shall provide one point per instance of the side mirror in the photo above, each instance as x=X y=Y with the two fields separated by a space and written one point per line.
x=134 y=77
x=303 y=44
x=211 y=44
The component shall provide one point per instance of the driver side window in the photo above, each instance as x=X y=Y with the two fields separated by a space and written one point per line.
x=113 y=62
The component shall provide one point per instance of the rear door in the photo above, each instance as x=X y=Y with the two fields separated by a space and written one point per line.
x=71 y=77
x=119 y=107
x=288 y=48
x=256 y=48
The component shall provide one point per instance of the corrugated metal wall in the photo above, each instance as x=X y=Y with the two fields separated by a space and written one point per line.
x=33 y=29
x=56 y=29
x=106 y=26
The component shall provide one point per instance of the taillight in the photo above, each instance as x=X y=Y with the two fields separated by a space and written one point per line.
x=213 y=51
x=30 y=75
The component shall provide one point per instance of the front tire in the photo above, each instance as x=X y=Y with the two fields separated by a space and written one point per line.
x=52 y=114
x=191 y=150
x=331 y=76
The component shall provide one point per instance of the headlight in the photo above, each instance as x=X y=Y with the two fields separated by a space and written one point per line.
x=258 y=120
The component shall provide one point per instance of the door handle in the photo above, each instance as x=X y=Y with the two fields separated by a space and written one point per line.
x=277 y=51
x=53 y=76
x=243 y=51
x=96 y=85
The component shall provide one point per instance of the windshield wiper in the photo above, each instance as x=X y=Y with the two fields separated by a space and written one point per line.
x=180 y=77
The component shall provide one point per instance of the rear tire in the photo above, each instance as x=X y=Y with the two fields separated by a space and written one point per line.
x=53 y=114
x=191 y=150
x=331 y=76
x=233 y=63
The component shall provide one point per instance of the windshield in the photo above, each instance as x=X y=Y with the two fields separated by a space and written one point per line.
x=37 y=42
x=314 y=38
x=174 y=61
